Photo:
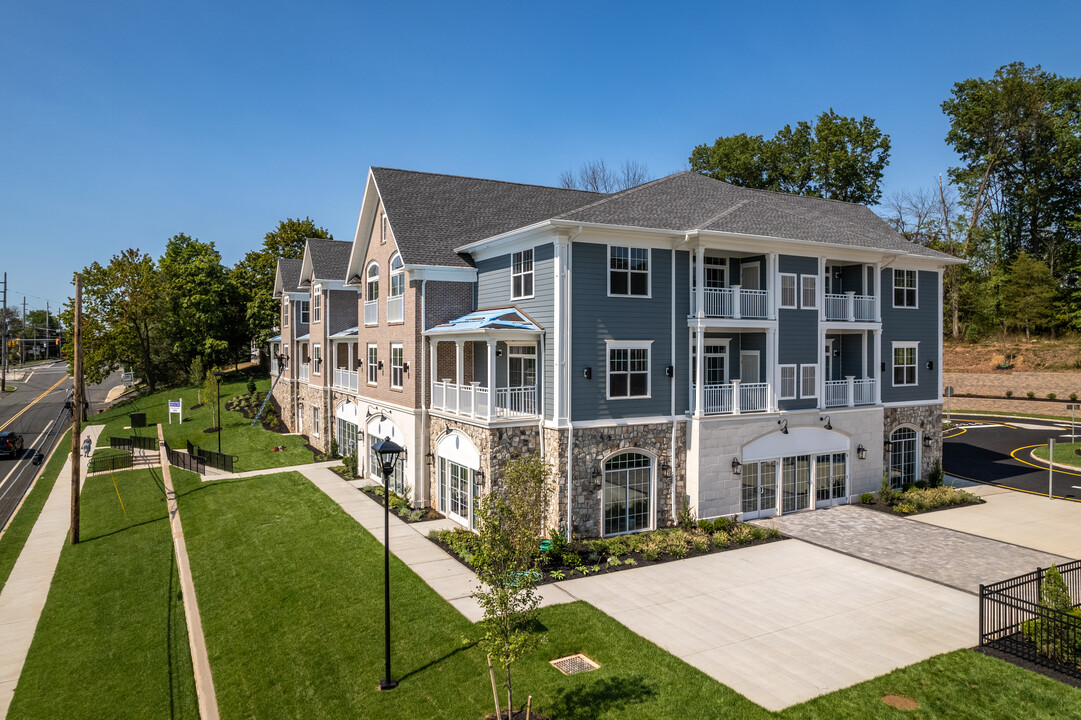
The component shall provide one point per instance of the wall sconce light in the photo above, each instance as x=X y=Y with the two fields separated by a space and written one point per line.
x=836 y=353
x=588 y=373
x=783 y=422
x=405 y=367
x=861 y=452
x=737 y=466
x=887 y=444
x=380 y=366
x=499 y=352
x=666 y=469
x=927 y=441
x=360 y=363
x=883 y=366
x=930 y=365
x=478 y=475
x=595 y=474
x=829 y=425
x=430 y=457
x=669 y=370
x=403 y=455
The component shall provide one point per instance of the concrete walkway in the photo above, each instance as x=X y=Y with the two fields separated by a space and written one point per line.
x=952 y=558
x=784 y=622
x=1051 y=526
x=409 y=542
x=27 y=588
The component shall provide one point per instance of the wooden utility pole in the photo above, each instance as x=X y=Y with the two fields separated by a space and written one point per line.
x=76 y=408
x=4 y=335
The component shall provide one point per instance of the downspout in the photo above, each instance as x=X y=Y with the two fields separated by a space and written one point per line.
x=328 y=377
x=672 y=384
x=424 y=440
x=565 y=330
x=293 y=377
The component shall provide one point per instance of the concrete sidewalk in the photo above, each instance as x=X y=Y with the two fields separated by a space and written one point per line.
x=409 y=542
x=27 y=588
x=1011 y=516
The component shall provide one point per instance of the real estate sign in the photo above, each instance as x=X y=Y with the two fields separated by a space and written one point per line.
x=176 y=406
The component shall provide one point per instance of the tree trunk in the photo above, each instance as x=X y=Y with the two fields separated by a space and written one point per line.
x=510 y=705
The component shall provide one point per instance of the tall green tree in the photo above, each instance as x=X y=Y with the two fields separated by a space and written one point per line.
x=121 y=319
x=1019 y=138
x=837 y=157
x=1028 y=294
x=254 y=274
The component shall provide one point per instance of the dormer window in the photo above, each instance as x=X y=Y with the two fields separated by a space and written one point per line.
x=317 y=303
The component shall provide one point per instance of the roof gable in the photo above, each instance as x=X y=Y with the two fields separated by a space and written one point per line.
x=287 y=276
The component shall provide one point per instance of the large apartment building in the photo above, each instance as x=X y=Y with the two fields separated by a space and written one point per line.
x=685 y=341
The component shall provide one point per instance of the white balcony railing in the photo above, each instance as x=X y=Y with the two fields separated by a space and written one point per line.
x=371 y=312
x=472 y=400
x=345 y=379
x=849 y=392
x=735 y=398
x=733 y=302
x=850 y=307
x=395 y=310
x=304 y=371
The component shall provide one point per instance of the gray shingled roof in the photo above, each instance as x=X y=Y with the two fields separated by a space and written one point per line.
x=330 y=258
x=289 y=272
x=690 y=201
x=432 y=214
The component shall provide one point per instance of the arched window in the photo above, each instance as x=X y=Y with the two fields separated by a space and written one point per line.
x=371 y=287
x=627 y=492
x=397 y=276
x=903 y=447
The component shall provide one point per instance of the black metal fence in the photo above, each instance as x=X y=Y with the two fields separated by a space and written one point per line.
x=120 y=443
x=185 y=461
x=1013 y=621
x=100 y=463
x=144 y=443
x=217 y=460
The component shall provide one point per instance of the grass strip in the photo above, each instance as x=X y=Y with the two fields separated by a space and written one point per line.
x=252 y=445
x=290 y=589
x=112 y=640
x=18 y=530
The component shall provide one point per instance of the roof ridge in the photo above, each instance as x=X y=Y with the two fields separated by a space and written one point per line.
x=491 y=180
x=621 y=194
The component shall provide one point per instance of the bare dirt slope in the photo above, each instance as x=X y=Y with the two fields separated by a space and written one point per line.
x=1014 y=355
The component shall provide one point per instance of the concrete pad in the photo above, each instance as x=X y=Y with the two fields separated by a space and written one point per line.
x=1015 y=517
x=814 y=622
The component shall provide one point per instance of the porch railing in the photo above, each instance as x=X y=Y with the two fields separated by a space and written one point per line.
x=850 y=307
x=849 y=392
x=371 y=312
x=733 y=302
x=395 y=309
x=472 y=400
x=735 y=398
x=345 y=379
x=304 y=371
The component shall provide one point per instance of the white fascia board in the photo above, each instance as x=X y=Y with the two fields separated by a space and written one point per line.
x=523 y=239
x=306 y=269
x=445 y=273
x=364 y=220
x=477 y=245
x=494 y=334
x=838 y=250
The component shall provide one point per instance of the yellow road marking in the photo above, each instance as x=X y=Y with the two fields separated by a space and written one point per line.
x=34 y=402
x=961 y=431
x=1011 y=487
x=1040 y=467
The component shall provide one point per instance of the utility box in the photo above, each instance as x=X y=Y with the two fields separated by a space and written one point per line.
x=138 y=420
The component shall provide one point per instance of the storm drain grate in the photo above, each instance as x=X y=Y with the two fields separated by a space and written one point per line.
x=574 y=664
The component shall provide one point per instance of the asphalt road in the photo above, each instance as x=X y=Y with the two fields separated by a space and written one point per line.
x=997 y=451
x=36 y=411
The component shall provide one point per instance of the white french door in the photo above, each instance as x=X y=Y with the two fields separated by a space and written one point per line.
x=831 y=479
x=759 y=489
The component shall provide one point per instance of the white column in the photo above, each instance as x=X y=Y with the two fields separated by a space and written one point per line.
x=699 y=386
x=771 y=285
x=771 y=368
x=877 y=370
x=433 y=368
x=878 y=294
x=851 y=390
x=736 y=303
x=735 y=397
x=700 y=281
x=850 y=305
x=820 y=376
x=491 y=378
x=459 y=370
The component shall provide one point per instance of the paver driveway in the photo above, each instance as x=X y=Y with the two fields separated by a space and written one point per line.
x=785 y=622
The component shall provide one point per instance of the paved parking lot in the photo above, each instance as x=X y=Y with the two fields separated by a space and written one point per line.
x=785 y=622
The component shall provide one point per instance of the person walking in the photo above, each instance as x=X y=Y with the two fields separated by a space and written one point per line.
x=86 y=447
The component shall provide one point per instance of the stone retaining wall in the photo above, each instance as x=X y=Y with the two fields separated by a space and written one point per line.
x=1020 y=383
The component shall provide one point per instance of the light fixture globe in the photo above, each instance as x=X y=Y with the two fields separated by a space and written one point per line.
x=388 y=452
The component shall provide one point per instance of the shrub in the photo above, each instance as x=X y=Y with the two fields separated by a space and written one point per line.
x=416 y=515
x=1051 y=396
x=905 y=508
x=651 y=549
x=886 y=494
x=630 y=561
x=572 y=559
x=251 y=385
x=334 y=448
x=773 y=533
x=741 y=534
x=674 y=543
x=1052 y=636
x=867 y=498
x=720 y=539
x=1009 y=393
x=700 y=541
x=196 y=373
x=612 y=561
x=685 y=515
x=1030 y=394
x=558 y=574
x=618 y=546
x=1073 y=397
x=723 y=524
x=935 y=477
x=758 y=533
x=350 y=462
x=705 y=525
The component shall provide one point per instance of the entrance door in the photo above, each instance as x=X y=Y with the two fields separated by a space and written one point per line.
x=750 y=277
x=748 y=366
x=795 y=483
x=455 y=486
x=827 y=365
x=759 y=489
x=831 y=480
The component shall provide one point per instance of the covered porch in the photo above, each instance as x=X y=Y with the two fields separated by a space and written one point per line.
x=345 y=356
x=849 y=359
x=851 y=292
x=485 y=365
x=726 y=284
x=733 y=377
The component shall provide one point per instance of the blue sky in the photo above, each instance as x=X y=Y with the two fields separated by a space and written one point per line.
x=124 y=123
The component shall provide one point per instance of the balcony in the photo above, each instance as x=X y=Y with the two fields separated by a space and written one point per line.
x=850 y=307
x=395 y=310
x=733 y=302
x=345 y=379
x=474 y=401
x=371 y=312
x=304 y=371
x=736 y=398
x=849 y=392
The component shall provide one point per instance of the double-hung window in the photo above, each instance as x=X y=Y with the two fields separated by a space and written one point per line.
x=628 y=370
x=395 y=301
x=809 y=292
x=317 y=358
x=286 y=309
x=808 y=381
x=373 y=364
x=397 y=363
x=904 y=363
x=628 y=271
x=788 y=290
x=521 y=274
x=304 y=312
x=904 y=288
x=788 y=383
x=317 y=304
x=315 y=420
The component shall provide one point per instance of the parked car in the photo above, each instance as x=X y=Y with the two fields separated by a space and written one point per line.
x=11 y=444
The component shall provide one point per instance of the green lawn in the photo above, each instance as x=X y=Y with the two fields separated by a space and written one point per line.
x=112 y=640
x=290 y=590
x=11 y=544
x=251 y=444
x=1064 y=453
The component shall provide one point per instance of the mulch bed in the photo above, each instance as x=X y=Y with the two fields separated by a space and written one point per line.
x=605 y=569
x=888 y=509
x=518 y=715
x=1029 y=665
x=375 y=492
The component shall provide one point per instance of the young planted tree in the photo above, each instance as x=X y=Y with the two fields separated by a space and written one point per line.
x=510 y=523
x=210 y=396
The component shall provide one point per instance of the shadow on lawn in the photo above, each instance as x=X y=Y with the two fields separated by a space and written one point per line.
x=597 y=698
x=436 y=661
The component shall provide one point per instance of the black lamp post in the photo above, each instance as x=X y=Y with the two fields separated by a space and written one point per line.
x=388 y=455
x=217 y=374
